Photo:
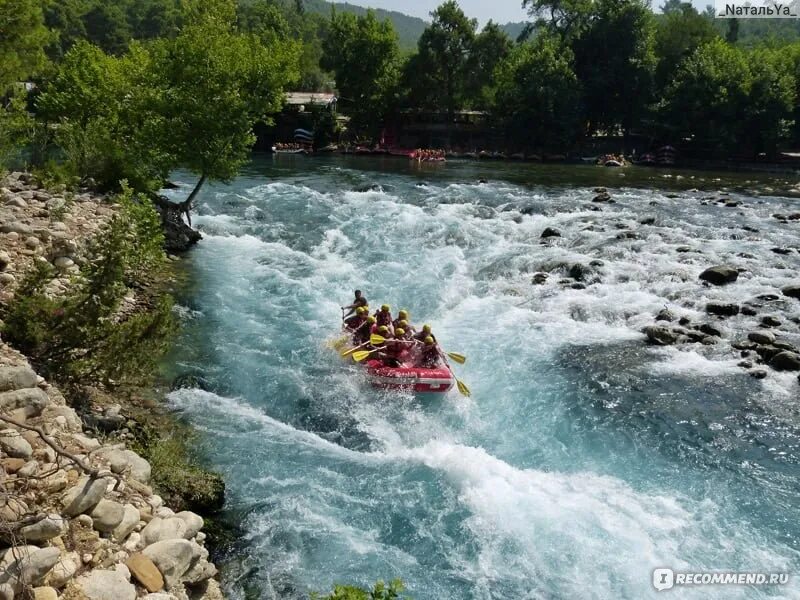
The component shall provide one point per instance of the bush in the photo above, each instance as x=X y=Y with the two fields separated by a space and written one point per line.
x=380 y=592
x=84 y=336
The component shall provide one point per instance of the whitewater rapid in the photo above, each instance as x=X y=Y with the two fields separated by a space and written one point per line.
x=584 y=459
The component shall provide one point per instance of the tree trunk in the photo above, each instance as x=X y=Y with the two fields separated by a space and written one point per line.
x=186 y=205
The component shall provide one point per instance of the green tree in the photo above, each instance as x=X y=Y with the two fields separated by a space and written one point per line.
x=679 y=32
x=439 y=72
x=362 y=54
x=23 y=37
x=218 y=84
x=709 y=96
x=490 y=48
x=771 y=100
x=538 y=95
x=614 y=62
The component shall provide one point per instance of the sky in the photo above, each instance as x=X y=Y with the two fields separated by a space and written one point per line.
x=500 y=11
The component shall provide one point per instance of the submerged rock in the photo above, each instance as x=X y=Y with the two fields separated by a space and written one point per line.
x=723 y=309
x=761 y=337
x=550 y=232
x=661 y=336
x=785 y=361
x=720 y=275
x=792 y=291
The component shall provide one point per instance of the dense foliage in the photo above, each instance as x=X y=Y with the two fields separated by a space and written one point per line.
x=380 y=591
x=133 y=89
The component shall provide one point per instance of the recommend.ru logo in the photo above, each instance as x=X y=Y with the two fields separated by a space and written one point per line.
x=665 y=578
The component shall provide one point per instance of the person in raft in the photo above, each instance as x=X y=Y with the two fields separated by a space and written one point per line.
x=426 y=332
x=360 y=300
x=362 y=332
x=384 y=316
x=358 y=319
x=394 y=350
x=402 y=316
x=430 y=357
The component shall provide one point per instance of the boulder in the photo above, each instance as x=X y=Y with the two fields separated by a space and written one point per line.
x=785 y=361
x=723 y=309
x=770 y=321
x=164 y=529
x=64 y=570
x=710 y=329
x=84 y=496
x=30 y=568
x=539 y=278
x=32 y=399
x=15 y=378
x=194 y=523
x=6 y=592
x=661 y=336
x=173 y=558
x=122 y=460
x=130 y=519
x=14 y=445
x=761 y=337
x=12 y=509
x=107 y=515
x=145 y=572
x=12 y=465
x=720 y=275
x=201 y=571
x=792 y=291
x=16 y=227
x=602 y=197
x=105 y=585
x=51 y=526
x=44 y=593
x=550 y=232
x=665 y=315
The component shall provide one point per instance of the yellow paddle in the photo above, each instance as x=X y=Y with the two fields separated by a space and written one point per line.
x=462 y=387
x=362 y=354
x=347 y=353
x=376 y=339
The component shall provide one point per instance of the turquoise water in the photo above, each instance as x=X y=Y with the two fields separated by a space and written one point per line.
x=584 y=458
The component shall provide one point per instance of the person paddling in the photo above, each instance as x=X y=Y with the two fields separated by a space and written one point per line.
x=401 y=316
x=356 y=320
x=426 y=332
x=384 y=316
x=360 y=300
x=394 y=350
x=430 y=356
x=363 y=331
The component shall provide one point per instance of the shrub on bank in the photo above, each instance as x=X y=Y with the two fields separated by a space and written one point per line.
x=86 y=335
x=381 y=591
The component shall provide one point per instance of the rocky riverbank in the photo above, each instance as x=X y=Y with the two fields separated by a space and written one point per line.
x=78 y=515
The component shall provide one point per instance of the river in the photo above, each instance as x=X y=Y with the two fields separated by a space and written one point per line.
x=584 y=458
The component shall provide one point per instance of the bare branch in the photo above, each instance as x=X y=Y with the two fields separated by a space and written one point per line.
x=60 y=451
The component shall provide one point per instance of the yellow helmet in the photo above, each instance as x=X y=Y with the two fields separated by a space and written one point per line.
x=426 y=328
x=428 y=341
x=403 y=314
x=403 y=324
x=385 y=308
x=399 y=332
x=371 y=319
x=383 y=329
x=360 y=310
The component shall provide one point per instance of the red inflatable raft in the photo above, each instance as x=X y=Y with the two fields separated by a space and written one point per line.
x=418 y=379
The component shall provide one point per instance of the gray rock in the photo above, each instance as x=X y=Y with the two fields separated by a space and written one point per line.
x=665 y=315
x=107 y=515
x=785 y=361
x=84 y=496
x=550 y=232
x=173 y=558
x=16 y=227
x=164 y=529
x=130 y=519
x=758 y=374
x=122 y=460
x=30 y=568
x=720 y=275
x=14 y=445
x=6 y=592
x=539 y=278
x=201 y=571
x=792 y=291
x=723 y=309
x=106 y=585
x=64 y=570
x=16 y=378
x=194 y=523
x=51 y=526
x=32 y=399
x=770 y=321
x=662 y=336
x=710 y=329
x=761 y=337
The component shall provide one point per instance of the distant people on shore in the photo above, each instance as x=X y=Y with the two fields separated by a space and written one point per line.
x=423 y=155
x=611 y=160
x=289 y=146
